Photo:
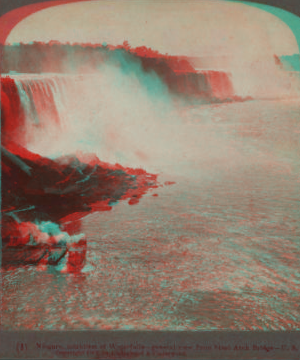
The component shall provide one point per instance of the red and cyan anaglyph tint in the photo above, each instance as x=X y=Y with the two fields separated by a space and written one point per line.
x=150 y=167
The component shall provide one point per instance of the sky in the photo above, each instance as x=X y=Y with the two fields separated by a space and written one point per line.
x=189 y=28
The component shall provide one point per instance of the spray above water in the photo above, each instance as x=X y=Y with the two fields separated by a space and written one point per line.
x=140 y=113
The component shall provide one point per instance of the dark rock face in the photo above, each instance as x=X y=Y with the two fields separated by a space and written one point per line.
x=42 y=190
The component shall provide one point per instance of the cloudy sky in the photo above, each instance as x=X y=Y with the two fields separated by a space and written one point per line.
x=190 y=28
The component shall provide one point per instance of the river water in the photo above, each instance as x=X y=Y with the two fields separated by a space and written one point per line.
x=218 y=249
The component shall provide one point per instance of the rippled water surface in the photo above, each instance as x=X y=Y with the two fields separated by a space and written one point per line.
x=219 y=249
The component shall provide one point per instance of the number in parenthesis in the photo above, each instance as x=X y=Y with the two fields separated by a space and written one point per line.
x=21 y=347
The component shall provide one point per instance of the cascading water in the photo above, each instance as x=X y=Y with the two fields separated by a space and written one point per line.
x=38 y=97
x=107 y=113
x=66 y=114
x=220 y=84
x=123 y=115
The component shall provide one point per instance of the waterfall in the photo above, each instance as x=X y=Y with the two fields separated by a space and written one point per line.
x=220 y=84
x=38 y=97
x=109 y=113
